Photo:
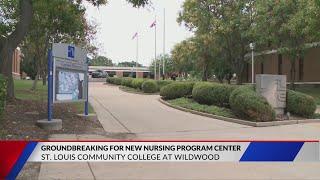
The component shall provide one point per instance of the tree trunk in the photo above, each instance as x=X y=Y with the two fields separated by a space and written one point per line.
x=44 y=81
x=34 y=84
x=205 y=73
x=9 y=44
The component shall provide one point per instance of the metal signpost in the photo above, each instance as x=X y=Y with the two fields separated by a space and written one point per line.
x=68 y=76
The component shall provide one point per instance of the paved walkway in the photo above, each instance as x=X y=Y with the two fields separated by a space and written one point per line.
x=144 y=117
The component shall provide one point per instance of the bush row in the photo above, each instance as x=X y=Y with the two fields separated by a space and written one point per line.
x=248 y=104
x=301 y=104
x=3 y=94
x=212 y=94
x=177 y=90
x=147 y=86
x=243 y=100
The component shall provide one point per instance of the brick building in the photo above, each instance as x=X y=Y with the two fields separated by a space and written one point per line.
x=140 y=72
x=307 y=70
x=16 y=61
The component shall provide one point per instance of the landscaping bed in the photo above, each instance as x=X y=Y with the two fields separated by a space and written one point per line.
x=135 y=91
x=20 y=117
x=237 y=103
x=193 y=105
x=18 y=121
x=138 y=85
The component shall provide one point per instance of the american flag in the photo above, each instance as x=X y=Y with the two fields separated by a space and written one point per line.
x=153 y=24
x=135 y=35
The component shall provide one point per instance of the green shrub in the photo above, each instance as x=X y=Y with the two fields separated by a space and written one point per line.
x=162 y=83
x=177 y=90
x=212 y=93
x=126 y=81
x=118 y=81
x=3 y=93
x=149 y=86
x=137 y=83
x=246 y=103
x=301 y=104
x=114 y=80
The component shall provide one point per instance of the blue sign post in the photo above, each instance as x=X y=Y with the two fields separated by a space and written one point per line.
x=86 y=105
x=50 y=85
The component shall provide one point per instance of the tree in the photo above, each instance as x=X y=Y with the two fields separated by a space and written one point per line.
x=169 y=64
x=228 y=22
x=64 y=23
x=16 y=18
x=100 y=61
x=182 y=57
x=129 y=64
x=287 y=26
x=29 y=67
x=222 y=70
x=14 y=28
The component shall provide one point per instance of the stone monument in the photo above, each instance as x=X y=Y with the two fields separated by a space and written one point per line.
x=274 y=89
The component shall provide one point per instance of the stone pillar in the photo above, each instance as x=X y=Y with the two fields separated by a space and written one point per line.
x=273 y=88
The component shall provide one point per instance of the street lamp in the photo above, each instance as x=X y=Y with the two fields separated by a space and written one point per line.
x=252 y=62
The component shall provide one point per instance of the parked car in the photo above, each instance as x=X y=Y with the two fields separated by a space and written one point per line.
x=99 y=74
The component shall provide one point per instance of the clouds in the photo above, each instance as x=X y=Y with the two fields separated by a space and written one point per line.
x=118 y=23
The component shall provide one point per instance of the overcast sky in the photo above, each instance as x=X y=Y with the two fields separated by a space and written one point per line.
x=118 y=21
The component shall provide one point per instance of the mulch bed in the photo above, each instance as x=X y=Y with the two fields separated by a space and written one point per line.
x=20 y=117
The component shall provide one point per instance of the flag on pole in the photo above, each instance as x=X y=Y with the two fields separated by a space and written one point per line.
x=153 y=24
x=135 y=35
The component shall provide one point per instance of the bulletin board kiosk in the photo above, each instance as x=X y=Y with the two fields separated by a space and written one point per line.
x=67 y=80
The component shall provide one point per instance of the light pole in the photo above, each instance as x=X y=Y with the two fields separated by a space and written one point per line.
x=252 y=62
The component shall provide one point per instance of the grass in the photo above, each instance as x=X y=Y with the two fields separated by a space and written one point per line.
x=191 y=104
x=22 y=89
x=312 y=91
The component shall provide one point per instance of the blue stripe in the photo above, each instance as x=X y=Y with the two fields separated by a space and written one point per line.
x=271 y=151
x=22 y=160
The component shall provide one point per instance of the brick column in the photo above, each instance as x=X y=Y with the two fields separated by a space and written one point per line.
x=119 y=73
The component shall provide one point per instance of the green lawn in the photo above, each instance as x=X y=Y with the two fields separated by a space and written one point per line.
x=191 y=104
x=312 y=91
x=23 y=91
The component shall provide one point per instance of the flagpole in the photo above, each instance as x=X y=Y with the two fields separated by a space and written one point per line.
x=155 y=48
x=137 y=55
x=164 y=41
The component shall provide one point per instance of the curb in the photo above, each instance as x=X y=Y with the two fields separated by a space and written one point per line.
x=240 y=121
x=140 y=93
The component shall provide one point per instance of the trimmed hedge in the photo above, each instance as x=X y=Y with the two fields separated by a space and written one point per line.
x=3 y=93
x=114 y=80
x=177 y=90
x=162 y=83
x=137 y=83
x=246 y=103
x=301 y=104
x=212 y=93
x=149 y=86
x=126 y=81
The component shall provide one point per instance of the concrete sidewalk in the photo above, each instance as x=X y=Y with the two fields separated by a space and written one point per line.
x=132 y=116
x=192 y=170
